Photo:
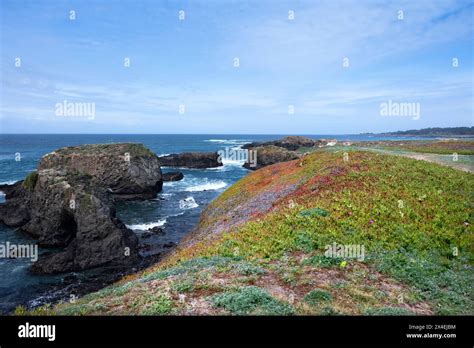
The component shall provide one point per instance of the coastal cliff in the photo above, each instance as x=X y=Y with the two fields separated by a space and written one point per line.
x=68 y=203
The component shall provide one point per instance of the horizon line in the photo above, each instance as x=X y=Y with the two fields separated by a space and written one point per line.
x=250 y=134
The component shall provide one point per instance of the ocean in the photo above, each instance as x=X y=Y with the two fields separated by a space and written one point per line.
x=176 y=209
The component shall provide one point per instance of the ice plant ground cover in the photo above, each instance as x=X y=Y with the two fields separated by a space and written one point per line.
x=256 y=251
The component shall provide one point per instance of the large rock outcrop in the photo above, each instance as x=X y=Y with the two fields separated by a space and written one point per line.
x=291 y=143
x=127 y=171
x=68 y=202
x=199 y=160
x=268 y=155
x=282 y=150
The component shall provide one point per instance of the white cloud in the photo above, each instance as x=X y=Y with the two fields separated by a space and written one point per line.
x=324 y=32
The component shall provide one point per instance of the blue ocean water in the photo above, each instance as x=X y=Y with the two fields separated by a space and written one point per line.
x=177 y=208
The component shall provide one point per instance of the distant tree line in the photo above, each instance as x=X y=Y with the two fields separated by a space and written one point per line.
x=435 y=131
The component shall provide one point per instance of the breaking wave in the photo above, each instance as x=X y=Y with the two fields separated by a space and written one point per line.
x=146 y=226
x=214 y=185
x=188 y=203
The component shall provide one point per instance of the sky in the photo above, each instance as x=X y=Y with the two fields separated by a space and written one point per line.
x=304 y=67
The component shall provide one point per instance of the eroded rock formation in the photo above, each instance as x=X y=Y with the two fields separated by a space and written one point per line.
x=68 y=203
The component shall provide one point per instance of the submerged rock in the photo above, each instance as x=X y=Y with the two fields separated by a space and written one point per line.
x=192 y=160
x=154 y=231
x=68 y=203
x=169 y=245
x=173 y=176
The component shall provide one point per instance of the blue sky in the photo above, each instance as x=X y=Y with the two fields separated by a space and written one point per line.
x=190 y=62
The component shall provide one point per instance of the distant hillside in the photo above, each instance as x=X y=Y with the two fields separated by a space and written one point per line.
x=434 y=132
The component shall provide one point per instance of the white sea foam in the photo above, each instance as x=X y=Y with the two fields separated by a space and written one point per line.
x=188 y=203
x=180 y=168
x=10 y=182
x=229 y=141
x=224 y=168
x=217 y=140
x=161 y=196
x=229 y=162
x=213 y=185
x=146 y=226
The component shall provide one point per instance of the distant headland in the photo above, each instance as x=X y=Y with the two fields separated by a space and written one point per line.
x=432 y=132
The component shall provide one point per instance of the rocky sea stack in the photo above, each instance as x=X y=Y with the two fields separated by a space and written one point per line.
x=270 y=154
x=68 y=203
x=283 y=150
x=199 y=160
x=173 y=176
x=291 y=143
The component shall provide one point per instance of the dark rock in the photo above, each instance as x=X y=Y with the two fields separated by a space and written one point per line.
x=267 y=155
x=17 y=212
x=146 y=235
x=155 y=231
x=12 y=190
x=291 y=143
x=68 y=203
x=192 y=160
x=173 y=176
x=169 y=245
x=146 y=247
x=129 y=170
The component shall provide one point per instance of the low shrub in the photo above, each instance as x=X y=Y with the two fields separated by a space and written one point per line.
x=251 y=300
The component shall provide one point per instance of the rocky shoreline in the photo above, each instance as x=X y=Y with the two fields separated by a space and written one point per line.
x=68 y=203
